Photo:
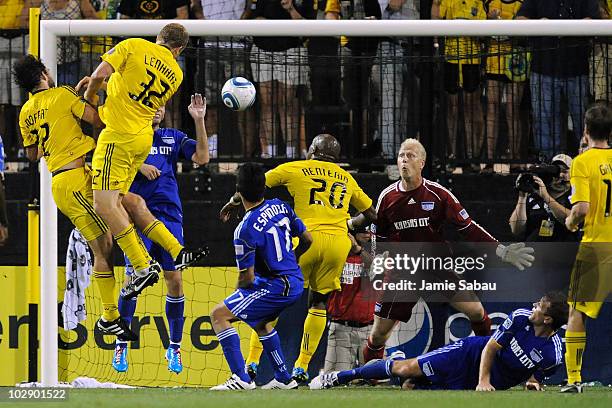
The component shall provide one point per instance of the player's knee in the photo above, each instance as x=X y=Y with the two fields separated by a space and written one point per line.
x=218 y=315
x=133 y=204
x=174 y=282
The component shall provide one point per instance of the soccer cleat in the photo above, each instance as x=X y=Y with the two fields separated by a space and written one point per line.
x=137 y=284
x=234 y=383
x=120 y=363
x=118 y=327
x=324 y=381
x=575 y=388
x=300 y=375
x=188 y=257
x=277 y=385
x=175 y=362
x=251 y=370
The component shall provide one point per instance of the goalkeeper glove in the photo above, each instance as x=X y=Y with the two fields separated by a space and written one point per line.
x=516 y=254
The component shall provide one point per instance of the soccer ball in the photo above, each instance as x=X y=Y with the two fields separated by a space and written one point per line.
x=238 y=93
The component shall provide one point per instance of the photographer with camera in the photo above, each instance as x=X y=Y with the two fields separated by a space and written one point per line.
x=543 y=202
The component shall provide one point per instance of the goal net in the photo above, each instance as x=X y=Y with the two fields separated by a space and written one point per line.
x=390 y=80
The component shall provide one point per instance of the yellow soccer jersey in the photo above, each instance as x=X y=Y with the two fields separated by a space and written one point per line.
x=322 y=192
x=146 y=76
x=591 y=179
x=462 y=49
x=50 y=119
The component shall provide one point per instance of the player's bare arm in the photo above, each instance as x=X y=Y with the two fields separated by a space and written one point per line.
x=303 y=245
x=96 y=80
x=486 y=362
x=362 y=219
x=577 y=215
x=33 y=153
x=197 y=110
x=246 y=277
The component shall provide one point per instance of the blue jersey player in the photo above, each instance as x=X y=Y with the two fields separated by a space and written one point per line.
x=269 y=279
x=525 y=348
x=156 y=184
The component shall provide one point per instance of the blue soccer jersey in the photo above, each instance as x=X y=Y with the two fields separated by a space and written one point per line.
x=523 y=354
x=263 y=239
x=161 y=194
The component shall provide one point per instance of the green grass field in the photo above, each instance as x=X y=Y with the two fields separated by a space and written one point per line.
x=354 y=397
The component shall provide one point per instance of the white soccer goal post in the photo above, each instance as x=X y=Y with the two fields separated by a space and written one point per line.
x=50 y=30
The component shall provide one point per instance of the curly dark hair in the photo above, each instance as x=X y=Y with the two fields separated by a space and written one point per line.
x=27 y=71
x=251 y=181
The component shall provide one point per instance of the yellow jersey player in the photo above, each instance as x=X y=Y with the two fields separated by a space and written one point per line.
x=591 y=280
x=142 y=77
x=322 y=192
x=50 y=127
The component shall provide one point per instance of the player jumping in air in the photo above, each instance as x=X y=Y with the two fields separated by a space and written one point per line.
x=143 y=77
x=414 y=197
x=322 y=193
x=526 y=347
x=269 y=279
x=50 y=126
x=156 y=184
x=591 y=280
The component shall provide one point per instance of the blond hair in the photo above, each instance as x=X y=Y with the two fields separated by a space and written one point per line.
x=174 y=35
x=419 y=147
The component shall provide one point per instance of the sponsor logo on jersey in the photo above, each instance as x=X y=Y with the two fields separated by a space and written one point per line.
x=535 y=355
x=427 y=369
x=464 y=214
x=427 y=205
x=168 y=140
x=411 y=201
x=507 y=323
x=411 y=223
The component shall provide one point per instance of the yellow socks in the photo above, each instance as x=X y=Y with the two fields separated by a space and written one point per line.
x=106 y=285
x=575 y=343
x=255 y=349
x=158 y=233
x=314 y=326
x=132 y=246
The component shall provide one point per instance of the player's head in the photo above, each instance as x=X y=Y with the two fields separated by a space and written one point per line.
x=411 y=158
x=251 y=182
x=31 y=74
x=159 y=116
x=324 y=147
x=552 y=310
x=175 y=37
x=598 y=122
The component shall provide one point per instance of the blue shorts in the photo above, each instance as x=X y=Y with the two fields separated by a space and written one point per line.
x=265 y=299
x=158 y=253
x=455 y=366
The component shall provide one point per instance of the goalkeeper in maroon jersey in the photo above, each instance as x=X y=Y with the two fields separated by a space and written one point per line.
x=414 y=209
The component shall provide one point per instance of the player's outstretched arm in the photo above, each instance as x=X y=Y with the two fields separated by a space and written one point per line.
x=486 y=362
x=517 y=254
x=366 y=217
x=303 y=245
x=197 y=110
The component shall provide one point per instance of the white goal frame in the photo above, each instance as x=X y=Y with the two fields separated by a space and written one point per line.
x=50 y=30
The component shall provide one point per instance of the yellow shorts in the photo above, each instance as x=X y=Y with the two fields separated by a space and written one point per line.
x=74 y=198
x=322 y=264
x=591 y=280
x=117 y=158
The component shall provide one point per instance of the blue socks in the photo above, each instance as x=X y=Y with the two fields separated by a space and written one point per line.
x=373 y=371
x=230 y=343
x=175 y=306
x=272 y=347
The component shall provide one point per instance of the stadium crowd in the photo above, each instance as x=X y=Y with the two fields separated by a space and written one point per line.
x=497 y=99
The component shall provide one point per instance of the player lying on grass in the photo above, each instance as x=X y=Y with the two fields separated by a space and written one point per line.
x=269 y=280
x=525 y=348
x=50 y=126
x=156 y=184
